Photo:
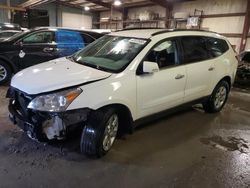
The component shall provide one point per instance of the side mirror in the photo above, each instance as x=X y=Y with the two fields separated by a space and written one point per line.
x=150 y=67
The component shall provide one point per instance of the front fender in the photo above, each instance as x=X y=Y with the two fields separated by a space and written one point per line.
x=113 y=90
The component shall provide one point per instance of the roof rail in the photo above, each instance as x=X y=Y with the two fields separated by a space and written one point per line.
x=139 y=28
x=173 y=30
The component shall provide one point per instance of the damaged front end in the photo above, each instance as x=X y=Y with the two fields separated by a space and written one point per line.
x=42 y=125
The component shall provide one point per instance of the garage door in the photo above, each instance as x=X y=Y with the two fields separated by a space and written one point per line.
x=76 y=20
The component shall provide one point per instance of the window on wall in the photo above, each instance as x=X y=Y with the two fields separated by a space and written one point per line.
x=164 y=54
x=216 y=46
x=194 y=49
x=40 y=37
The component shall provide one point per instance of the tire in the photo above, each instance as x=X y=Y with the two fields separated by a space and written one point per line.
x=98 y=131
x=5 y=72
x=217 y=99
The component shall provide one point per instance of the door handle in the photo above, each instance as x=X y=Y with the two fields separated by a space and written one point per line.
x=179 y=76
x=211 y=69
x=48 y=50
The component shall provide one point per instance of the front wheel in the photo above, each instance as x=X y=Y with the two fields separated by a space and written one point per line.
x=217 y=99
x=99 y=134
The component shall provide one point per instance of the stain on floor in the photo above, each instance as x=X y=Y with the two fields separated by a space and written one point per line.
x=228 y=144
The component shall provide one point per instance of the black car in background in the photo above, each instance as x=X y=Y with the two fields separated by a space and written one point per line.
x=40 y=45
x=9 y=26
x=7 y=33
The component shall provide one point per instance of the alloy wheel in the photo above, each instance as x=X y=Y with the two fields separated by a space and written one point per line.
x=110 y=132
x=3 y=73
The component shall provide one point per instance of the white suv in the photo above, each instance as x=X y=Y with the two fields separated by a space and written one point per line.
x=118 y=79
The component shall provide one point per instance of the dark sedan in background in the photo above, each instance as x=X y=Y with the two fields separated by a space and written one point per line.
x=10 y=26
x=7 y=33
x=40 y=45
x=243 y=73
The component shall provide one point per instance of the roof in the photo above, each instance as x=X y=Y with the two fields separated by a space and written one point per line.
x=148 y=33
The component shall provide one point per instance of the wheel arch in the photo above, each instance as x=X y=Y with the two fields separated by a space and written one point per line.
x=124 y=113
x=12 y=66
x=228 y=80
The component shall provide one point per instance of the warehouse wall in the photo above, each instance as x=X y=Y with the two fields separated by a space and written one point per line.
x=51 y=8
x=134 y=13
x=4 y=17
x=219 y=24
x=77 y=16
x=232 y=25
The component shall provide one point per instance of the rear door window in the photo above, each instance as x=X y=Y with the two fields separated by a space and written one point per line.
x=194 y=49
x=69 y=42
x=217 y=47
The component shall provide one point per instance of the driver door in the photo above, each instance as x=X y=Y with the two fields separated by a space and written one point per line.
x=163 y=89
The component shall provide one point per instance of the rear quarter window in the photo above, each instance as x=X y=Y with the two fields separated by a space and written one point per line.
x=216 y=46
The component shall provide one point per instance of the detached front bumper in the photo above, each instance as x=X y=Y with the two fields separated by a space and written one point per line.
x=42 y=126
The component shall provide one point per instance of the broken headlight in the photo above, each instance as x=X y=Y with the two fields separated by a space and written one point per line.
x=55 y=102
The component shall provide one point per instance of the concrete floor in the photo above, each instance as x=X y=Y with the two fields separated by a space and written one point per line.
x=187 y=149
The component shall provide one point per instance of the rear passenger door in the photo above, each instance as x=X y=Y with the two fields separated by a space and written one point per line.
x=69 y=42
x=199 y=65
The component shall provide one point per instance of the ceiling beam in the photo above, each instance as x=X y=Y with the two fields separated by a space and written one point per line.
x=98 y=2
x=106 y=5
x=12 y=8
x=31 y=3
x=162 y=3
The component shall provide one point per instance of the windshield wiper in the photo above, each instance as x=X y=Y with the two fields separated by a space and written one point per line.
x=72 y=58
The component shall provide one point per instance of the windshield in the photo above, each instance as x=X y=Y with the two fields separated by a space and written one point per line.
x=110 y=53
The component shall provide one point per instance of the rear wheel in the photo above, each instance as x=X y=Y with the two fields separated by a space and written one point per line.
x=99 y=134
x=5 y=72
x=218 y=98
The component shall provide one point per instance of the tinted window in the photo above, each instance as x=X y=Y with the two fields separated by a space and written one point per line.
x=164 y=54
x=69 y=42
x=69 y=37
x=216 y=46
x=41 y=37
x=194 y=49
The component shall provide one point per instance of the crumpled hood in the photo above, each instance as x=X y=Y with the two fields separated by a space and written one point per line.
x=53 y=75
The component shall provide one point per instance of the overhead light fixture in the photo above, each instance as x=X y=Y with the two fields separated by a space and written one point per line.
x=117 y=2
x=86 y=8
